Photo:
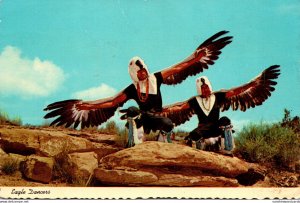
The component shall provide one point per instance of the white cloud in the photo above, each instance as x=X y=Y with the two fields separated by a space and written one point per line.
x=95 y=93
x=25 y=77
x=290 y=8
x=192 y=124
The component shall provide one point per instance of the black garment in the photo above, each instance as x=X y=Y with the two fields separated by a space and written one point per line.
x=155 y=123
x=203 y=119
x=151 y=122
x=205 y=131
x=208 y=125
x=152 y=104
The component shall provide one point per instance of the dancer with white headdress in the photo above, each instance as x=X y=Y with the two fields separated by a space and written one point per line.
x=145 y=90
x=207 y=105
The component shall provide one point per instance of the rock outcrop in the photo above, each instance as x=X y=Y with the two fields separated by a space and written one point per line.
x=46 y=154
x=163 y=164
x=48 y=142
x=40 y=149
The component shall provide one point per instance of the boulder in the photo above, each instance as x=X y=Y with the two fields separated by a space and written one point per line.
x=80 y=166
x=49 y=143
x=58 y=142
x=164 y=164
x=38 y=168
x=175 y=157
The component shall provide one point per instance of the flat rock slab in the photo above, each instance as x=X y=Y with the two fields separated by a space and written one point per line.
x=156 y=163
x=46 y=142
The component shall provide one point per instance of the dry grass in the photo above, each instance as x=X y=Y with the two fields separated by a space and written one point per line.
x=5 y=119
x=121 y=137
x=9 y=167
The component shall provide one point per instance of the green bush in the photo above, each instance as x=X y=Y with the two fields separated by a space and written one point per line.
x=268 y=143
x=289 y=122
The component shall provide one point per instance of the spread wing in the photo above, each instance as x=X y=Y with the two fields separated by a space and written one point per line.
x=251 y=94
x=179 y=112
x=202 y=57
x=86 y=113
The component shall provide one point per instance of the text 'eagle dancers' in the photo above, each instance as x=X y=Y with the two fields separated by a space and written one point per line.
x=145 y=90
x=207 y=104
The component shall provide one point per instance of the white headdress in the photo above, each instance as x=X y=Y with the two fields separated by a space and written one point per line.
x=133 y=68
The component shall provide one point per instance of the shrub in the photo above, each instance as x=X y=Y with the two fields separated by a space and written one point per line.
x=152 y=136
x=293 y=123
x=270 y=143
x=45 y=123
x=9 y=167
x=62 y=174
x=4 y=119
x=181 y=134
x=110 y=128
x=121 y=137
x=59 y=171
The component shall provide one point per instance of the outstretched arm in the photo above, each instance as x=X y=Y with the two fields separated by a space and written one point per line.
x=199 y=60
x=251 y=94
x=86 y=113
x=103 y=103
x=179 y=112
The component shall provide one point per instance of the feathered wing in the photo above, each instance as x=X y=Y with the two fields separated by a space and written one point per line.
x=202 y=57
x=179 y=112
x=251 y=94
x=85 y=113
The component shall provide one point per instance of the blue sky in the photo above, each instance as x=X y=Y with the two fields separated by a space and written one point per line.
x=56 y=50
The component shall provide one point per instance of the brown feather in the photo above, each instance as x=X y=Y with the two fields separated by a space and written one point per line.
x=70 y=112
x=203 y=56
x=179 y=112
x=251 y=94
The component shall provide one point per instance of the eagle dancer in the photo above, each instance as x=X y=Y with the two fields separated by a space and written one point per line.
x=145 y=90
x=208 y=104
